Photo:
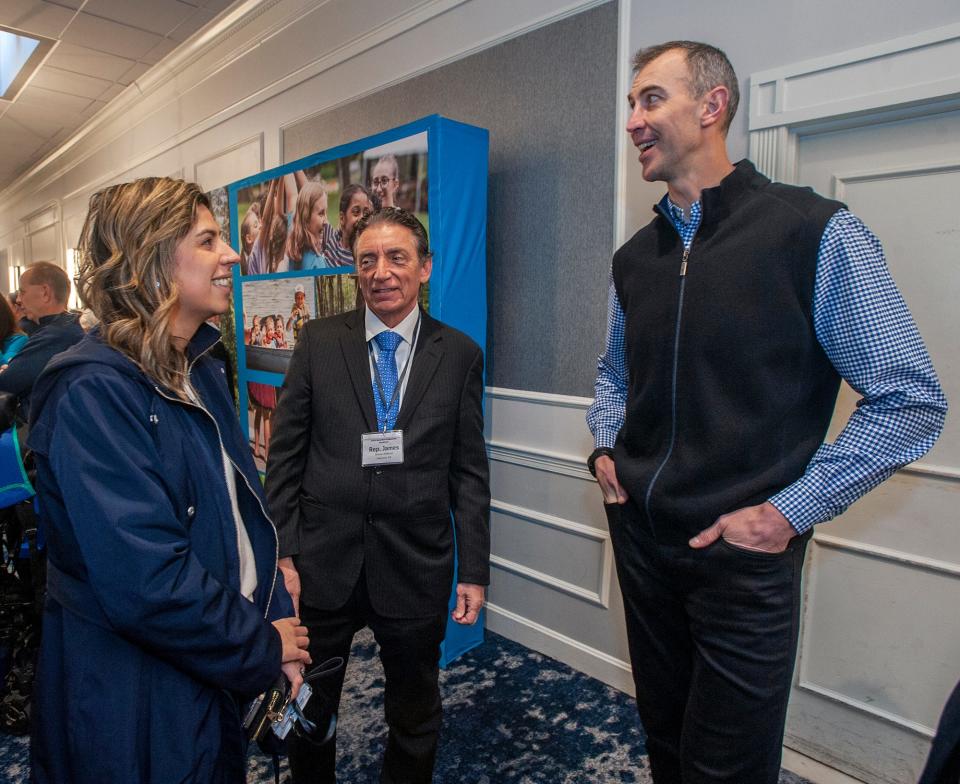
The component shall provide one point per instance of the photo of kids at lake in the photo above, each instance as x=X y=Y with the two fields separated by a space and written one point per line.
x=275 y=313
x=276 y=310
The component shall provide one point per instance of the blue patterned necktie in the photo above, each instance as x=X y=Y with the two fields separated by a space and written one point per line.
x=387 y=369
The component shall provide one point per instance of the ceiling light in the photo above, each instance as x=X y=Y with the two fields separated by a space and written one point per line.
x=21 y=54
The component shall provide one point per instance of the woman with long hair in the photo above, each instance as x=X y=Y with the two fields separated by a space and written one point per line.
x=164 y=611
x=12 y=338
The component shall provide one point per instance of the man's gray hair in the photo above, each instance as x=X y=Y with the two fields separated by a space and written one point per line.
x=46 y=273
x=708 y=67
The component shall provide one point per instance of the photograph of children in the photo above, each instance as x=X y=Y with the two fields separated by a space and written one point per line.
x=261 y=402
x=276 y=310
x=285 y=223
x=397 y=176
x=396 y=173
x=304 y=220
x=274 y=313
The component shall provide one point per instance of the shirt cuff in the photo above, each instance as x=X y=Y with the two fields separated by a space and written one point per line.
x=605 y=438
x=802 y=508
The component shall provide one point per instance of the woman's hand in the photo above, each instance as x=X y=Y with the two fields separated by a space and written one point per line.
x=294 y=673
x=295 y=640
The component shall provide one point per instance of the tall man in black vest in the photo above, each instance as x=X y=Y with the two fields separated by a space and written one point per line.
x=378 y=436
x=732 y=317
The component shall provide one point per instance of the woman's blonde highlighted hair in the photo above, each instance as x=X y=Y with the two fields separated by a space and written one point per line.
x=126 y=270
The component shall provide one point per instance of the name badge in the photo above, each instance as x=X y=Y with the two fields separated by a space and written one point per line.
x=381 y=448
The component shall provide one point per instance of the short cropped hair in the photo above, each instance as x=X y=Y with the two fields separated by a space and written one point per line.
x=46 y=273
x=708 y=68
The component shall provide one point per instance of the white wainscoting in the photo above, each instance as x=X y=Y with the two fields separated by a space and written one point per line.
x=553 y=582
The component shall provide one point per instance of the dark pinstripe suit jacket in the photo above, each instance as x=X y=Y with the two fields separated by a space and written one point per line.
x=333 y=516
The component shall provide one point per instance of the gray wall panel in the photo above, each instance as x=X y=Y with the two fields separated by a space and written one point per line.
x=549 y=100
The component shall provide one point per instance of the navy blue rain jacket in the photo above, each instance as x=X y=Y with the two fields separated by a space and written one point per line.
x=148 y=644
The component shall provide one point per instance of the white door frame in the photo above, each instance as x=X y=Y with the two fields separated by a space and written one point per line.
x=905 y=77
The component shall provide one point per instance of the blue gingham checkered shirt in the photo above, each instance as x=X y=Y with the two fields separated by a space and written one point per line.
x=866 y=331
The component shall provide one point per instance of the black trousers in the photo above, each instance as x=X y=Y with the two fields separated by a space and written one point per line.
x=713 y=637
x=410 y=654
x=943 y=764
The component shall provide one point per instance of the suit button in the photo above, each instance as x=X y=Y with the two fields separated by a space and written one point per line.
x=191 y=511
x=379 y=471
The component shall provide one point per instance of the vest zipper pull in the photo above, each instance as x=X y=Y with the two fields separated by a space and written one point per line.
x=683 y=262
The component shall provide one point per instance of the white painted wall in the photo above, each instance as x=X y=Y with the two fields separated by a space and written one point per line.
x=757 y=35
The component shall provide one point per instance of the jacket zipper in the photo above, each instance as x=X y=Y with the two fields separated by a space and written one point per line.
x=276 y=539
x=673 y=384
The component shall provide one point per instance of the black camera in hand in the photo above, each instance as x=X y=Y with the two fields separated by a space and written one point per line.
x=273 y=715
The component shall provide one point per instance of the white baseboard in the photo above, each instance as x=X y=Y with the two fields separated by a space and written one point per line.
x=583 y=658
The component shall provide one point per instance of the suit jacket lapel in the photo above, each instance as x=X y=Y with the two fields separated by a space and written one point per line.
x=353 y=343
x=426 y=358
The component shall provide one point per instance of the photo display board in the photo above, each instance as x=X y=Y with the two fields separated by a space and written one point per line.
x=292 y=227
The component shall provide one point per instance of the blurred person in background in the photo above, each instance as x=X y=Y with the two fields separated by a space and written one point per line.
x=43 y=294
x=28 y=326
x=12 y=338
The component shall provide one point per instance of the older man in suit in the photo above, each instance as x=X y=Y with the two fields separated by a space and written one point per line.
x=378 y=436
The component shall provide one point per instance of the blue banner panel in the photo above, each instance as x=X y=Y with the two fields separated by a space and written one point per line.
x=293 y=228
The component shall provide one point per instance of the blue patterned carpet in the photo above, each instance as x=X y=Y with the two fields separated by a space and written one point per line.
x=511 y=716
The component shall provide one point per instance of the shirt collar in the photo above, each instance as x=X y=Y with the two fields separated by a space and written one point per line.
x=677 y=216
x=374 y=326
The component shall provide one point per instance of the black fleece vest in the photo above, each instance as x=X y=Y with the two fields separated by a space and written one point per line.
x=730 y=393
